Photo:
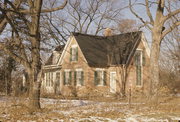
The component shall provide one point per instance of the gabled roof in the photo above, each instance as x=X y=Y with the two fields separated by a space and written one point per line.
x=98 y=49
x=59 y=50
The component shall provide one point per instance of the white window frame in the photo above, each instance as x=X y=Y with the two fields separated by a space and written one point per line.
x=67 y=71
x=49 y=79
x=141 y=64
x=73 y=55
x=78 y=82
x=113 y=85
x=101 y=71
x=141 y=56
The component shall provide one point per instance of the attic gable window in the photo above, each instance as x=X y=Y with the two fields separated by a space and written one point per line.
x=100 y=77
x=74 y=53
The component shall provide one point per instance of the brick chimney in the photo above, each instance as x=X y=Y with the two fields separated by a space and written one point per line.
x=108 y=32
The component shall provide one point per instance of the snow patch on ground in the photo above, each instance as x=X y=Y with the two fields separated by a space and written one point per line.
x=129 y=119
x=80 y=107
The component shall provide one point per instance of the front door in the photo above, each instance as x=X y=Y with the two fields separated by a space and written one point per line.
x=113 y=82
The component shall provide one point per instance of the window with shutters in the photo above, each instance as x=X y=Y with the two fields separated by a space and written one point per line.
x=57 y=78
x=100 y=77
x=74 y=53
x=138 y=64
x=67 y=77
x=79 y=77
x=49 y=79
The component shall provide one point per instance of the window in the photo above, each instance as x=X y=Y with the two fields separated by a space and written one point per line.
x=67 y=77
x=49 y=79
x=138 y=63
x=99 y=77
x=74 y=53
x=79 y=77
x=58 y=78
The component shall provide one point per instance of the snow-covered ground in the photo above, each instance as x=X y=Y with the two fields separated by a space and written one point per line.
x=88 y=111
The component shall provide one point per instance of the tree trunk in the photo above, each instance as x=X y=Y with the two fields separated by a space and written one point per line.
x=154 y=65
x=34 y=92
x=123 y=80
x=9 y=82
x=10 y=66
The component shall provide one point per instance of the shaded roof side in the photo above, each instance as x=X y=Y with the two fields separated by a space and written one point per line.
x=59 y=49
x=96 y=49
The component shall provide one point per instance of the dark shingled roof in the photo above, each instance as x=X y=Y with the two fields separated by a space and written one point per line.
x=58 y=49
x=98 y=49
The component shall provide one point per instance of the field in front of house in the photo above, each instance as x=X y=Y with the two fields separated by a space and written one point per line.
x=56 y=110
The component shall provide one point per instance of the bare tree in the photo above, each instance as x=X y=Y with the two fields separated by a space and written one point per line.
x=170 y=61
x=6 y=68
x=127 y=25
x=83 y=16
x=156 y=24
x=24 y=46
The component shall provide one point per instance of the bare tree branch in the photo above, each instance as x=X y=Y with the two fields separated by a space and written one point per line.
x=13 y=55
x=148 y=12
x=171 y=14
x=47 y=10
x=135 y=14
x=3 y=20
x=174 y=25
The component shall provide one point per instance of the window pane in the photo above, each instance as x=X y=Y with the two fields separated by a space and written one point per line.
x=138 y=56
x=78 y=77
x=99 y=78
x=74 y=54
x=138 y=75
x=138 y=60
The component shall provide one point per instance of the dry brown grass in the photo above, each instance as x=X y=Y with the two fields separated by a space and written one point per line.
x=56 y=110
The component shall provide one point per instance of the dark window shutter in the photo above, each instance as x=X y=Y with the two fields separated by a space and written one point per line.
x=77 y=54
x=75 y=81
x=105 y=77
x=135 y=59
x=82 y=78
x=57 y=78
x=64 y=78
x=95 y=78
x=70 y=78
x=143 y=58
x=70 y=58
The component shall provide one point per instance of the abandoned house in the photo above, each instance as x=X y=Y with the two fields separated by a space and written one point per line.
x=98 y=65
